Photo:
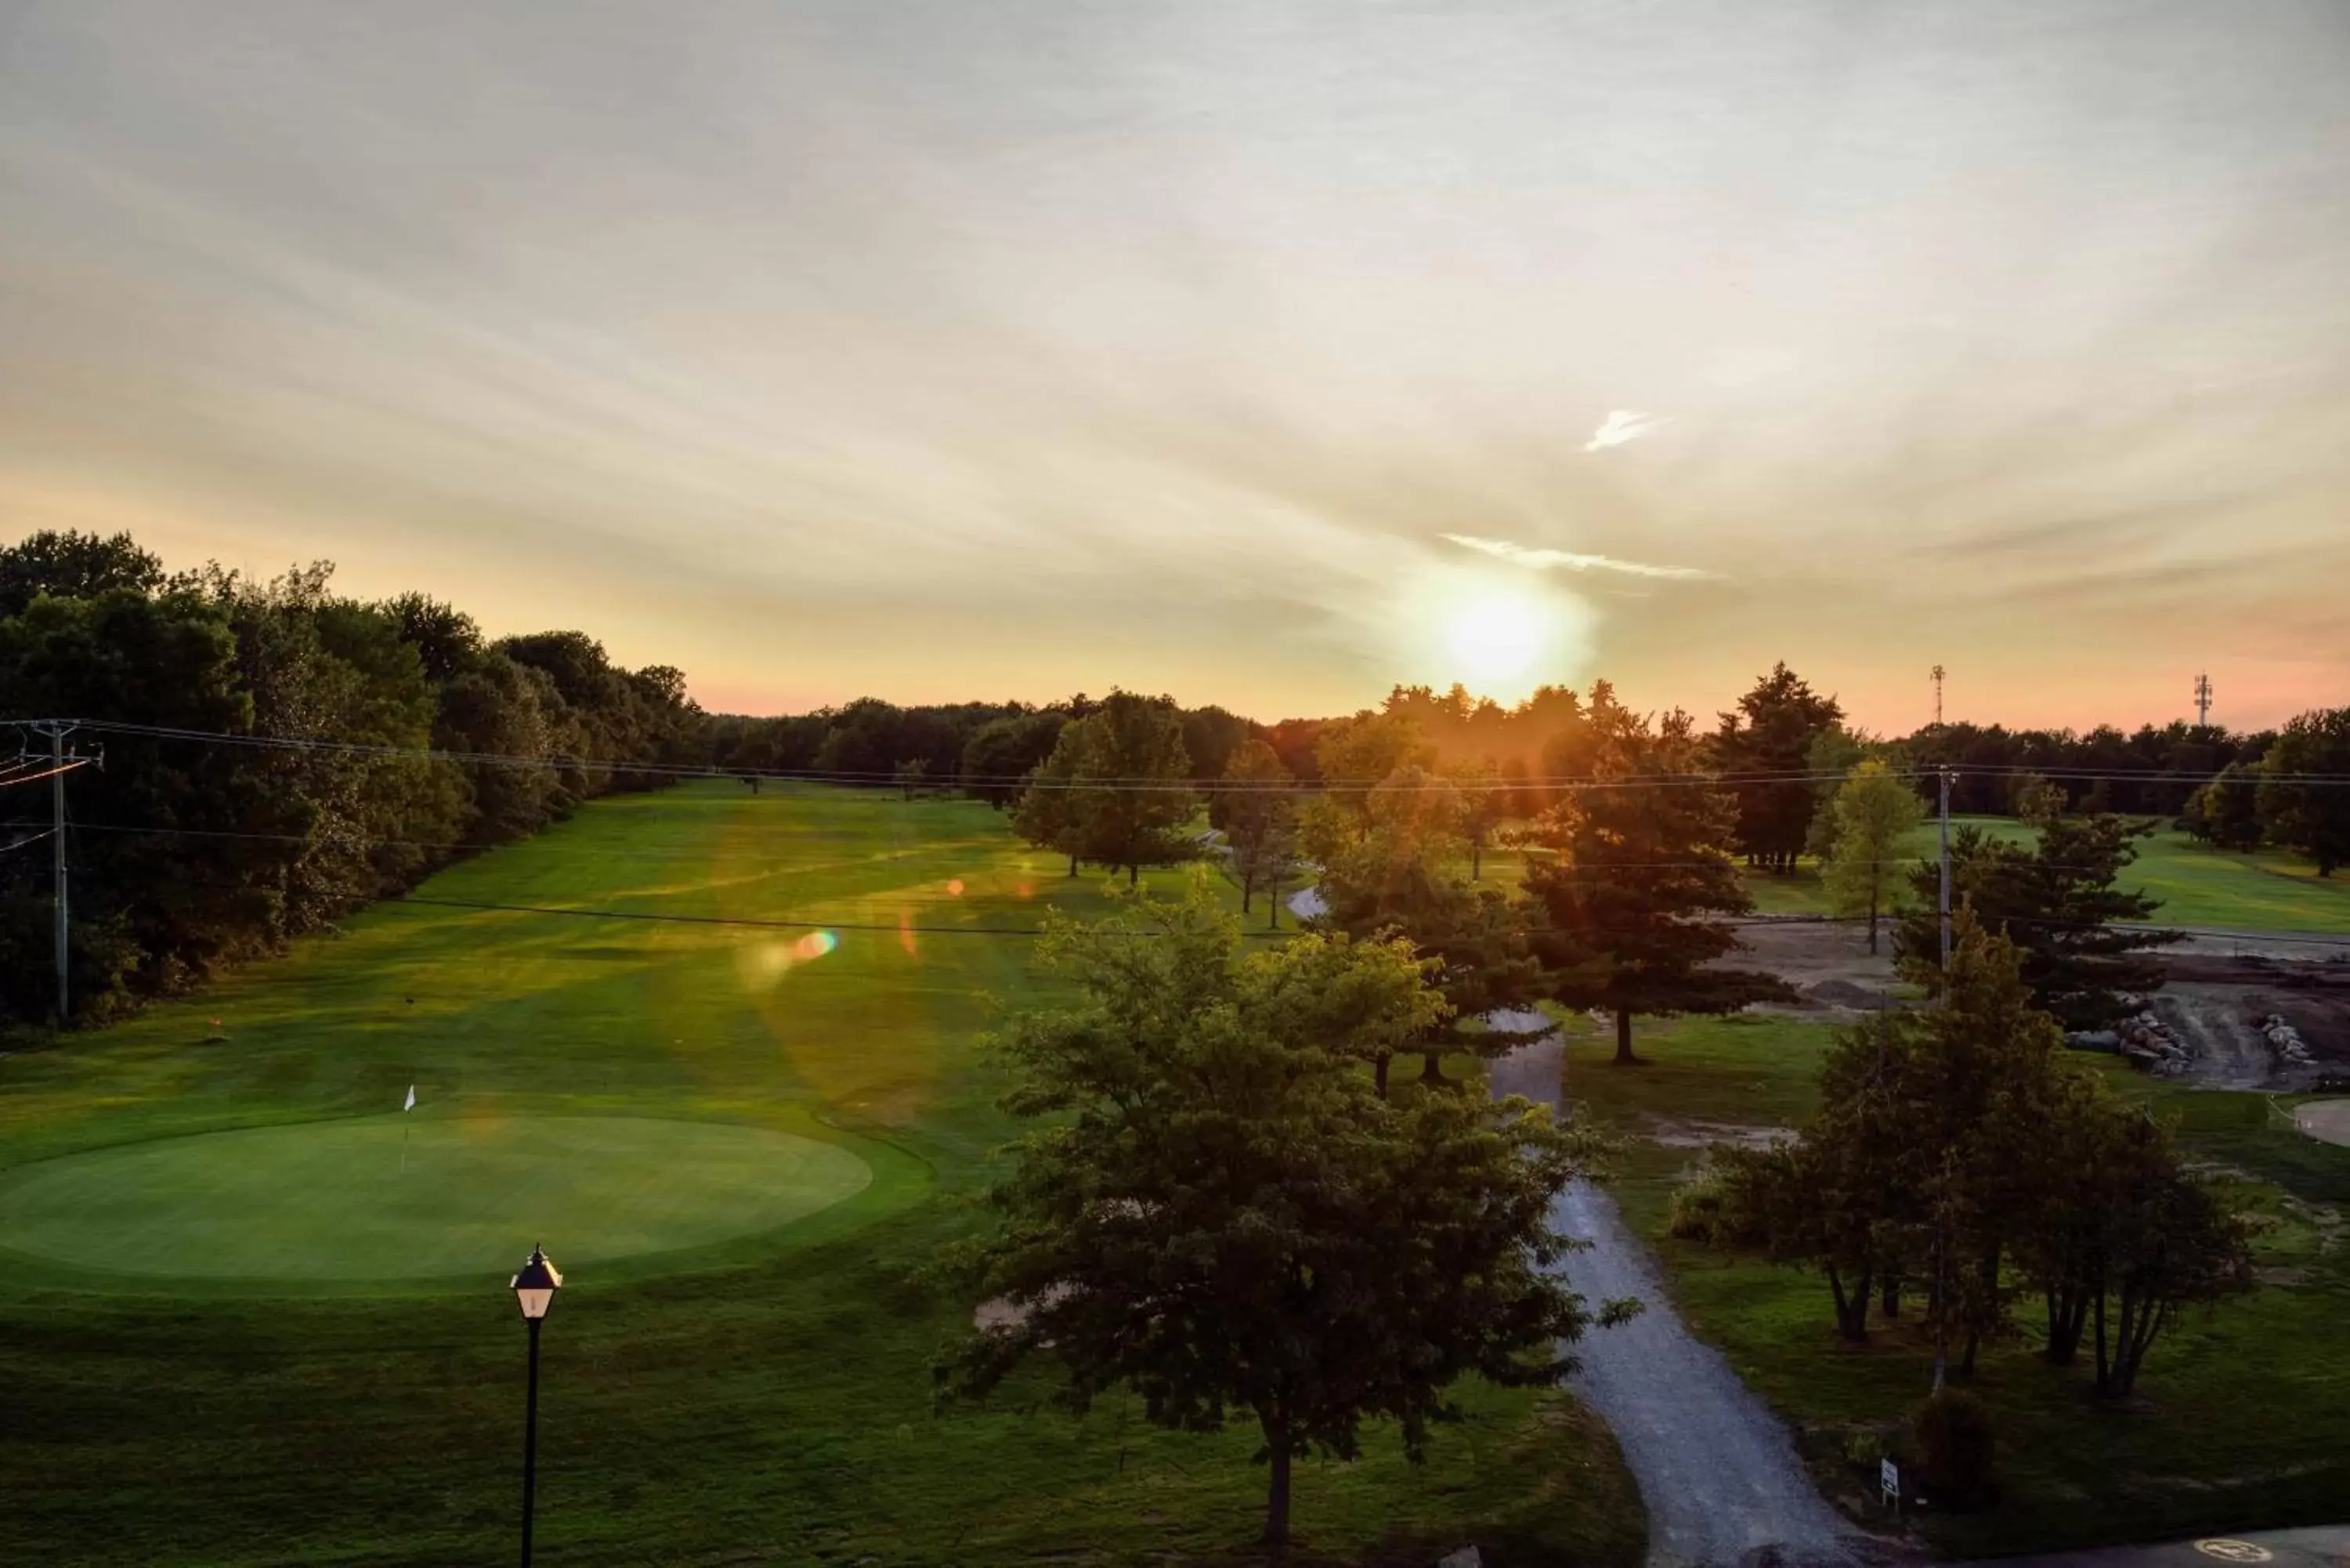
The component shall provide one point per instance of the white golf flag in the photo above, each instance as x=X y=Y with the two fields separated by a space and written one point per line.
x=412 y=1098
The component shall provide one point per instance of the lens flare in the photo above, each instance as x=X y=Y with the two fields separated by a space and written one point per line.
x=815 y=945
x=955 y=887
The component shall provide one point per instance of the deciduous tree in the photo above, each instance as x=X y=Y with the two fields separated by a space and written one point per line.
x=1257 y=812
x=1049 y=815
x=1217 y=1211
x=1001 y=753
x=2304 y=800
x=2225 y=813
x=1485 y=806
x=1873 y=812
x=1356 y=755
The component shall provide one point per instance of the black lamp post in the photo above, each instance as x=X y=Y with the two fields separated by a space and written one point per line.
x=535 y=1288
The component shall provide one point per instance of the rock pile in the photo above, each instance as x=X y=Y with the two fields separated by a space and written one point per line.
x=2284 y=1040
x=2146 y=1042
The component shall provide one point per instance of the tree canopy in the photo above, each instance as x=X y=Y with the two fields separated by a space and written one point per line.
x=1773 y=730
x=1114 y=789
x=1212 y=1208
x=1257 y=813
x=2299 y=810
x=1402 y=877
x=1960 y=1149
x=232 y=847
x=1871 y=813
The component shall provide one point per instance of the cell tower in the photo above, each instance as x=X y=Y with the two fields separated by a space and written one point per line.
x=2202 y=702
x=1938 y=696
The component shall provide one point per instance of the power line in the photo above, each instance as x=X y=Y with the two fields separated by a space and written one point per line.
x=16 y=778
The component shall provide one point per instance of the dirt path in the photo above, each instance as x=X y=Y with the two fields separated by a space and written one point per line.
x=1716 y=1469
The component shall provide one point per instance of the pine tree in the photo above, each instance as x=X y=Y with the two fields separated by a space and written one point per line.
x=1619 y=908
x=2058 y=902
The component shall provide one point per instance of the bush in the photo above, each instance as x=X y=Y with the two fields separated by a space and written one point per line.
x=1955 y=1448
x=1697 y=1213
x=1726 y=1203
x=1863 y=1451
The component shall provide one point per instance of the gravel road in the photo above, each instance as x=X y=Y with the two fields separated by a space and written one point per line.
x=1716 y=1469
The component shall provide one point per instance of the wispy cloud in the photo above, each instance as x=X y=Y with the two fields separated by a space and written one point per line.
x=1622 y=425
x=1542 y=560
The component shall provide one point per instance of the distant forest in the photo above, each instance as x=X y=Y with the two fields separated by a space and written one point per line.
x=265 y=767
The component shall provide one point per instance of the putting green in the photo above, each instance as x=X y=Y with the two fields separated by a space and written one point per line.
x=321 y=1199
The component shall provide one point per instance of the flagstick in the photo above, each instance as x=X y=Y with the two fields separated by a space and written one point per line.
x=403 y=1143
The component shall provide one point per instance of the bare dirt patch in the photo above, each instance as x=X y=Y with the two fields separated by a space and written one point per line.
x=1676 y=1134
x=2220 y=998
x=2221 y=1003
x=1830 y=966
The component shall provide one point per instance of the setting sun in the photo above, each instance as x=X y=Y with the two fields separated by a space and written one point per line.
x=1498 y=637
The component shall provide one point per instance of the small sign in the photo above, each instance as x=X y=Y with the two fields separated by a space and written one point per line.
x=1888 y=1477
x=2228 y=1551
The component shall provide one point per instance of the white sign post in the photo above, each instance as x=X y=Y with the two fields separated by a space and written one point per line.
x=1889 y=1479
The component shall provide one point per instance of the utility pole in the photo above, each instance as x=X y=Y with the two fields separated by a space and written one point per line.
x=2203 y=701
x=1944 y=776
x=57 y=730
x=1938 y=696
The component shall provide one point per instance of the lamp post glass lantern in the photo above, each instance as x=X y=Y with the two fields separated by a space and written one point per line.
x=534 y=1290
x=534 y=1287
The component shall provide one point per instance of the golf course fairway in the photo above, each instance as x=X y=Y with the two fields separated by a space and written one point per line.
x=365 y=1197
x=721 y=1053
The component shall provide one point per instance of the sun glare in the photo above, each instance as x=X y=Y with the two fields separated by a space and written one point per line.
x=1498 y=637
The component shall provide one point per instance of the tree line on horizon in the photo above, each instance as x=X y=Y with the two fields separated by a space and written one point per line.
x=1631 y=887
x=190 y=855
x=2233 y=789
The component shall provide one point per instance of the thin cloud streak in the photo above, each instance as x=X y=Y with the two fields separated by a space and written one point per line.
x=1622 y=426
x=1542 y=560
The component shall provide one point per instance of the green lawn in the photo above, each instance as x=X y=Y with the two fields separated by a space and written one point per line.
x=2238 y=1421
x=744 y=1147
x=2198 y=887
x=370 y=1198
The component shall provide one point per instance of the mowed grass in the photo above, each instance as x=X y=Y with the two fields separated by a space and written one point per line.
x=365 y=1199
x=758 y=1392
x=2238 y=1419
x=2267 y=891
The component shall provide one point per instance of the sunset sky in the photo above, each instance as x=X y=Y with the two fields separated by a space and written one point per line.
x=1268 y=354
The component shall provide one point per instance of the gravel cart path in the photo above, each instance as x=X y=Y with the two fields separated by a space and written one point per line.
x=1716 y=1469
